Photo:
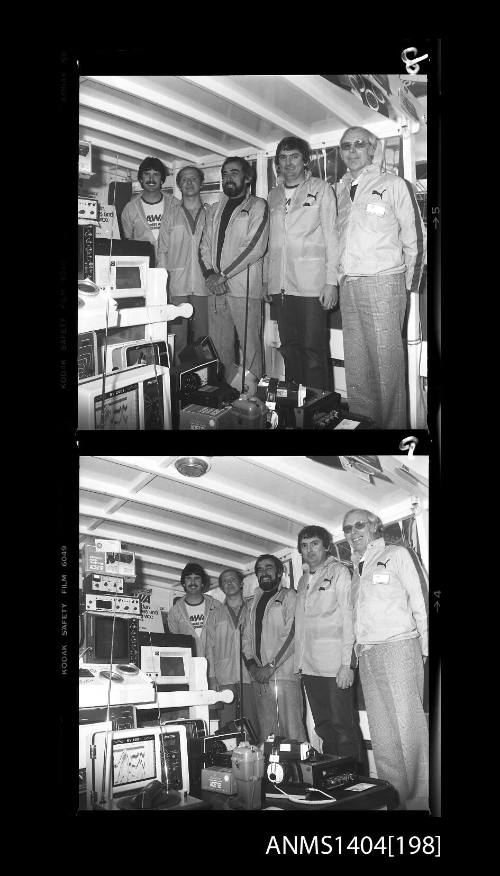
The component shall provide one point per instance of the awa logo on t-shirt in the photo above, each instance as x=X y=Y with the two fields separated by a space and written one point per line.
x=154 y=215
x=196 y=615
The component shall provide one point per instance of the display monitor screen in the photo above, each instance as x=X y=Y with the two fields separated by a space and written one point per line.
x=103 y=636
x=121 y=409
x=134 y=761
x=128 y=277
x=166 y=664
x=170 y=666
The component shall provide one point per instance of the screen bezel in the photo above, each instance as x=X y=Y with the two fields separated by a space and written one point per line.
x=96 y=765
x=91 y=638
x=135 y=737
x=117 y=382
x=105 y=272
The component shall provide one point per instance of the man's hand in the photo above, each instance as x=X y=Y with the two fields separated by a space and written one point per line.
x=262 y=674
x=265 y=294
x=345 y=677
x=216 y=284
x=329 y=297
x=253 y=669
x=266 y=672
x=211 y=281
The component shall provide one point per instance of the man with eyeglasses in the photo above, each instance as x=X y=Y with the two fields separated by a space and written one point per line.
x=390 y=628
x=381 y=261
x=323 y=644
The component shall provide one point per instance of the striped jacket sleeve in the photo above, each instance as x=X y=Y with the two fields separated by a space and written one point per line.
x=254 y=246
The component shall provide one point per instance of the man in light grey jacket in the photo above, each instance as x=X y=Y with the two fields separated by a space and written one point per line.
x=190 y=614
x=268 y=645
x=324 y=640
x=146 y=213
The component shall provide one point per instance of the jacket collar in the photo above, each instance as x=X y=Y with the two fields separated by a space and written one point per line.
x=224 y=199
x=369 y=170
x=376 y=545
x=279 y=595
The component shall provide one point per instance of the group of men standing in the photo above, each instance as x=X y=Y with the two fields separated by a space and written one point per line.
x=280 y=643
x=294 y=250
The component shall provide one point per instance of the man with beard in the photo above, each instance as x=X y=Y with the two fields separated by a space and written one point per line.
x=178 y=244
x=323 y=644
x=190 y=615
x=390 y=627
x=145 y=214
x=223 y=650
x=232 y=249
x=268 y=645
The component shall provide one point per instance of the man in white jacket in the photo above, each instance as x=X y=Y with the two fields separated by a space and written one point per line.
x=390 y=628
x=300 y=268
x=381 y=261
x=323 y=644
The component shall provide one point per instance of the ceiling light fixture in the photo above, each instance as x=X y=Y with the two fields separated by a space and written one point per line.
x=192 y=466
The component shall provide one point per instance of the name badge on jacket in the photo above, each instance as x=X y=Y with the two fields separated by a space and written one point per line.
x=376 y=209
x=381 y=577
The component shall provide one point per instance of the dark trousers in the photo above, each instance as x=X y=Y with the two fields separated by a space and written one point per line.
x=304 y=337
x=335 y=717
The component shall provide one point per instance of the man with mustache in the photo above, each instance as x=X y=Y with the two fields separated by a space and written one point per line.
x=178 y=244
x=268 y=645
x=232 y=249
x=390 y=628
x=145 y=214
x=190 y=615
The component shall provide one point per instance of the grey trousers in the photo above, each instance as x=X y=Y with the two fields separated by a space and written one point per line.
x=392 y=677
x=225 y=313
x=279 y=708
x=373 y=312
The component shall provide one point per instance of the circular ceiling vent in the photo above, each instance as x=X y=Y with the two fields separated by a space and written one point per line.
x=192 y=466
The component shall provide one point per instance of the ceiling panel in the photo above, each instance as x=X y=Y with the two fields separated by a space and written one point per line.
x=202 y=119
x=242 y=507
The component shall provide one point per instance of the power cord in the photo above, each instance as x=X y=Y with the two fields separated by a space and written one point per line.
x=300 y=800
